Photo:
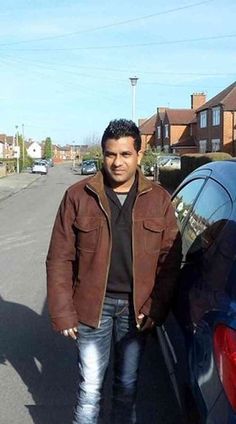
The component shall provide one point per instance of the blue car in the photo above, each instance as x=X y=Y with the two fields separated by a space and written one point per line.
x=199 y=340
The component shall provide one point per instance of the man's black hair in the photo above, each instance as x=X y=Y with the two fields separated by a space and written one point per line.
x=122 y=128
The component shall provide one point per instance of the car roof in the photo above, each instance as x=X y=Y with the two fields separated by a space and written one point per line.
x=222 y=171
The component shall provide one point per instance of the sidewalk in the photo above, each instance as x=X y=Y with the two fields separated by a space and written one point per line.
x=12 y=184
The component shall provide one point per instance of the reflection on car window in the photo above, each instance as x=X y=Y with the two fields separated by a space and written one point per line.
x=231 y=286
x=184 y=199
x=212 y=207
x=163 y=161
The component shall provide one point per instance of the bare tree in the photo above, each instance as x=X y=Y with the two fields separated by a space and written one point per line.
x=92 y=139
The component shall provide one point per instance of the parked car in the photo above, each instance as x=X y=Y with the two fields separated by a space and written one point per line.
x=203 y=329
x=40 y=167
x=169 y=161
x=88 y=167
x=49 y=162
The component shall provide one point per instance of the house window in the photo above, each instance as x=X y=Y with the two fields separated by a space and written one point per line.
x=215 y=145
x=202 y=146
x=158 y=131
x=166 y=130
x=203 y=119
x=216 y=115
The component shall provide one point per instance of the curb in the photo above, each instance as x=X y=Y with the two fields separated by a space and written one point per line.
x=16 y=190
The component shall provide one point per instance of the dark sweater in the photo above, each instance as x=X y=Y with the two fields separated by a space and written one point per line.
x=120 y=277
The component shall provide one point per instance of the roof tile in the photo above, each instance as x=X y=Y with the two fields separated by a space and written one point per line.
x=226 y=98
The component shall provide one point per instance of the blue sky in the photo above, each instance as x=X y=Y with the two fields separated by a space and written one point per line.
x=65 y=65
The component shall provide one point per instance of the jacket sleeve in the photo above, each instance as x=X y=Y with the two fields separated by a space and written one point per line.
x=159 y=303
x=60 y=263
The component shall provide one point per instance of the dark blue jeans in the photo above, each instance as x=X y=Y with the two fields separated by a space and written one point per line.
x=94 y=346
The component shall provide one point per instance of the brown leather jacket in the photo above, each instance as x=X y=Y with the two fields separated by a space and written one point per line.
x=79 y=253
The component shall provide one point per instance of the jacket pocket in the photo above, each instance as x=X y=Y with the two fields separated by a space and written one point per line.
x=153 y=231
x=88 y=233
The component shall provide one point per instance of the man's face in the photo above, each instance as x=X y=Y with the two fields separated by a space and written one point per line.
x=120 y=162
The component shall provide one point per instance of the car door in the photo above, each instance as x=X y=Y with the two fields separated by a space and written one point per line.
x=203 y=277
x=203 y=208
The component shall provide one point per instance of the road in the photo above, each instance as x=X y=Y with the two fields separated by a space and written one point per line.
x=37 y=366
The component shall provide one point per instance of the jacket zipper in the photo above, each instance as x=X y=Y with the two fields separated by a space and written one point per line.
x=133 y=257
x=107 y=271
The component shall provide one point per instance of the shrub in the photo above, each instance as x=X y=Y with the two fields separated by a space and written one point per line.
x=148 y=159
x=190 y=162
x=170 y=178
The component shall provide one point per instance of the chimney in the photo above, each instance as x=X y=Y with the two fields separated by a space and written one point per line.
x=161 y=109
x=141 y=121
x=197 y=100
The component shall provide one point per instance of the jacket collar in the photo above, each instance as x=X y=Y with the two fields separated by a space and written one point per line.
x=96 y=184
x=143 y=183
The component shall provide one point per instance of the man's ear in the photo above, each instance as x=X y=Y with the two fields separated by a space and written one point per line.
x=140 y=156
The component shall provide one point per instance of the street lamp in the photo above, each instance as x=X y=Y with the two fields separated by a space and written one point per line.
x=17 y=152
x=23 y=146
x=73 y=165
x=133 y=81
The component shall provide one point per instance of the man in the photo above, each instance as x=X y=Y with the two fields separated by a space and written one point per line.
x=112 y=265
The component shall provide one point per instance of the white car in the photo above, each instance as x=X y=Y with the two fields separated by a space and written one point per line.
x=40 y=167
x=169 y=161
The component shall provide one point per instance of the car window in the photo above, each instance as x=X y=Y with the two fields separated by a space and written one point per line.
x=185 y=198
x=163 y=161
x=231 y=286
x=89 y=162
x=213 y=206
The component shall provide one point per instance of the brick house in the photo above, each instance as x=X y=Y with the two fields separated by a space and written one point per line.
x=216 y=123
x=3 y=145
x=61 y=153
x=206 y=127
x=176 y=128
x=2 y=149
x=172 y=130
x=7 y=143
x=147 y=131
x=159 y=130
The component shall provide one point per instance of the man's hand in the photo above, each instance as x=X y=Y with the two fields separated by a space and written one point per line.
x=70 y=332
x=145 y=323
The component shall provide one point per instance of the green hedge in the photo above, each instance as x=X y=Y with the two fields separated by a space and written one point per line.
x=171 y=178
x=190 y=162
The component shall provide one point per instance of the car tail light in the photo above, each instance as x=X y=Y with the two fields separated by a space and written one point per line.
x=225 y=355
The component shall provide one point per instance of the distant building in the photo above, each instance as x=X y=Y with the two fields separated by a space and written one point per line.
x=61 y=153
x=2 y=149
x=34 y=150
x=6 y=146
